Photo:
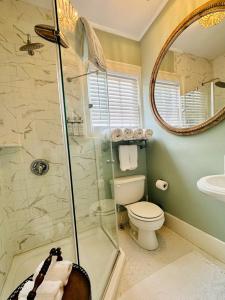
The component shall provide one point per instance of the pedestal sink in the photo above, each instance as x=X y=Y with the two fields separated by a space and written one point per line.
x=213 y=185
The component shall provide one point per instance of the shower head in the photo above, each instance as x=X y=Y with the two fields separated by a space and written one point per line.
x=49 y=33
x=220 y=84
x=30 y=47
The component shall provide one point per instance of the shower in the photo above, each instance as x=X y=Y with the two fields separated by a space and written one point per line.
x=49 y=33
x=30 y=47
x=214 y=82
x=220 y=84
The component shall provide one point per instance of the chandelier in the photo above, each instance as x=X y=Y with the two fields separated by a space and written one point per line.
x=67 y=14
x=212 y=19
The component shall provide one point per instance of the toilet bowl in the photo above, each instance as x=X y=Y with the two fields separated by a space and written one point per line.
x=144 y=217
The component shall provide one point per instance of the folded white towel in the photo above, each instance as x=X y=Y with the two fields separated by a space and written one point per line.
x=124 y=157
x=128 y=134
x=59 y=271
x=48 y=290
x=139 y=134
x=148 y=133
x=128 y=157
x=117 y=135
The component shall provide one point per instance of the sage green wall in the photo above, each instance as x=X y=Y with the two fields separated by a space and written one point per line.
x=181 y=160
x=118 y=48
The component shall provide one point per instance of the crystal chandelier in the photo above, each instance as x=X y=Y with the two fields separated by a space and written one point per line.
x=212 y=19
x=67 y=14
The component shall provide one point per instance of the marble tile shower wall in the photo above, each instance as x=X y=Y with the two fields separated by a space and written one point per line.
x=33 y=210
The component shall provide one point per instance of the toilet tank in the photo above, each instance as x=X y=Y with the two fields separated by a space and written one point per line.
x=129 y=189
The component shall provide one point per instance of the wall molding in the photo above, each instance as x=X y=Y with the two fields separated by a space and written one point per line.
x=120 y=67
x=199 y=238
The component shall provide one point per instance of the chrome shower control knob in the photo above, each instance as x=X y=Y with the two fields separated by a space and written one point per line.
x=39 y=167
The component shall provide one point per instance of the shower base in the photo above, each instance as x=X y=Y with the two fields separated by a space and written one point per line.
x=95 y=249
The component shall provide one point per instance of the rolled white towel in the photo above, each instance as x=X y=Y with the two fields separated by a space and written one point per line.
x=148 y=133
x=59 y=271
x=139 y=134
x=117 y=135
x=128 y=134
x=48 y=290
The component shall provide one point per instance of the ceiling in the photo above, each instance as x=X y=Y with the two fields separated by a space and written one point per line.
x=128 y=18
x=203 y=42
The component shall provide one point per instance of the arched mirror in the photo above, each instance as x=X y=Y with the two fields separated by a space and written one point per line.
x=188 y=79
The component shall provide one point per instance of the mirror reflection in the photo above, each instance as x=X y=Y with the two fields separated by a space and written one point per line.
x=190 y=85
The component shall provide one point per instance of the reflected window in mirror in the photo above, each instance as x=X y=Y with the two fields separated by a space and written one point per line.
x=181 y=110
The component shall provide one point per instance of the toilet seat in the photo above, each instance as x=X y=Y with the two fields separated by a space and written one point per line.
x=145 y=211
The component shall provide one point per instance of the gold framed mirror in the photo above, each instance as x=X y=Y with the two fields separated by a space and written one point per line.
x=187 y=87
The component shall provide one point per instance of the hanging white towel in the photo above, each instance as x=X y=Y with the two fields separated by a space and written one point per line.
x=48 y=290
x=124 y=158
x=95 y=51
x=59 y=271
x=128 y=157
x=133 y=157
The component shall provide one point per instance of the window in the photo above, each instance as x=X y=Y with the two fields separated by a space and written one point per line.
x=118 y=104
x=180 y=111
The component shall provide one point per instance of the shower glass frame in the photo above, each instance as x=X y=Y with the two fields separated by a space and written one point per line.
x=71 y=173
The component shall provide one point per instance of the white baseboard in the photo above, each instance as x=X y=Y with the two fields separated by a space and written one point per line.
x=199 y=238
x=112 y=288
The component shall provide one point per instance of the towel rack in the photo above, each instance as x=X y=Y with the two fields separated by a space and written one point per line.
x=142 y=143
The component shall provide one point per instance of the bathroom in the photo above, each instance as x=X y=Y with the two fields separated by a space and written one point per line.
x=112 y=148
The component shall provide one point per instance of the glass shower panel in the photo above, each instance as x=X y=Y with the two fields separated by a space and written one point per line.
x=91 y=160
x=35 y=211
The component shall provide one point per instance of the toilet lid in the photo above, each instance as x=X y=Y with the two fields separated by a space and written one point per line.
x=146 y=210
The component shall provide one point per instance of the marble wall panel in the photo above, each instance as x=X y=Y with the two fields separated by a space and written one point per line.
x=33 y=210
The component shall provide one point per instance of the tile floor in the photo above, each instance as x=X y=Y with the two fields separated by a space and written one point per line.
x=141 y=263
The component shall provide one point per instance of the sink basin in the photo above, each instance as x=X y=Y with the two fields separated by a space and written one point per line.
x=213 y=185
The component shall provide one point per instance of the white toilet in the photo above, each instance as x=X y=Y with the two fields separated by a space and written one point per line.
x=145 y=217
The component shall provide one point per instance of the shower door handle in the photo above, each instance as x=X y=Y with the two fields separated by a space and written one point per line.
x=110 y=161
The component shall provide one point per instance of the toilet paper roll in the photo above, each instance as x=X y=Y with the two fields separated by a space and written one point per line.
x=161 y=185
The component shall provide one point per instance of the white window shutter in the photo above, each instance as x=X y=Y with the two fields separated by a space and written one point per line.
x=122 y=100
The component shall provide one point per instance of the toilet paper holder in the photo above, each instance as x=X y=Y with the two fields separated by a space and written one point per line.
x=162 y=185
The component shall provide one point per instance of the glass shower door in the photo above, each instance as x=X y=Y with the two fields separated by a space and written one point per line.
x=91 y=160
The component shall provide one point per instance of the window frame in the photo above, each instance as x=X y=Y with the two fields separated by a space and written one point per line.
x=127 y=71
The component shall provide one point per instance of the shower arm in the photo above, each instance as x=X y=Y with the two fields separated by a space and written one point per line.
x=211 y=80
x=70 y=79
